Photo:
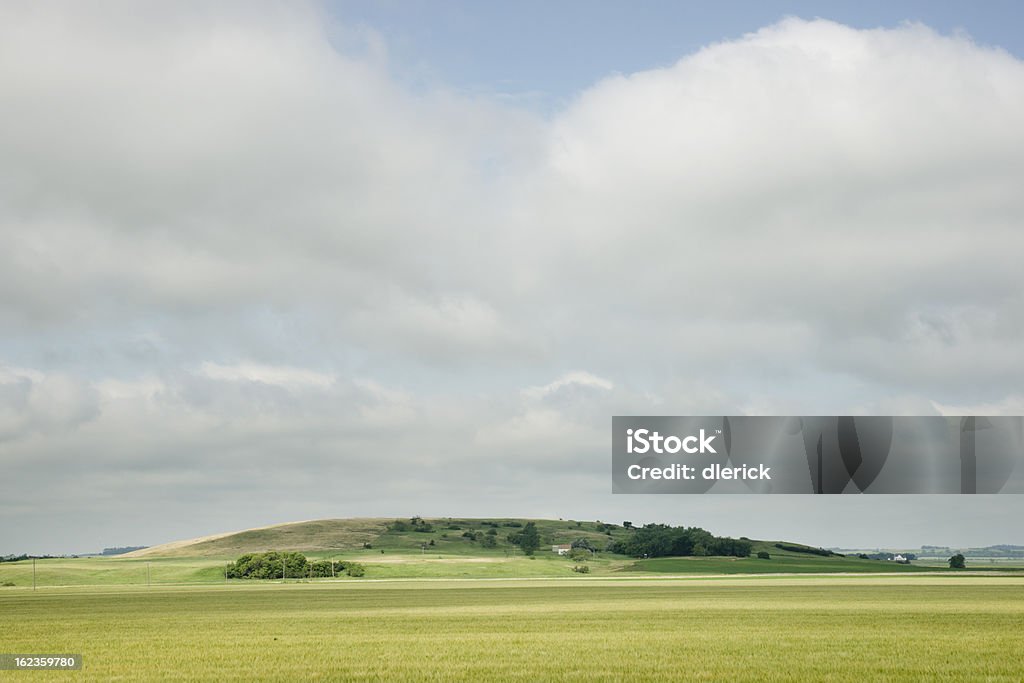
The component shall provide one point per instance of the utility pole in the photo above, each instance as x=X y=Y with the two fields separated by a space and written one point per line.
x=33 y=573
x=282 y=568
x=332 y=568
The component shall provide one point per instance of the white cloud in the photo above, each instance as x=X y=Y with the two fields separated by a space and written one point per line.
x=582 y=379
x=277 y=375
x=34 y=402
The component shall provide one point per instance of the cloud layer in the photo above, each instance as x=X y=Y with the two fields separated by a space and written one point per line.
x=250 y=276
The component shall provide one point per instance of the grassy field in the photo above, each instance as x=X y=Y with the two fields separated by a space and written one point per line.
x=852 y=628
x=452 y=548
x=446 y=536
x=779 y=562
x=412 y=564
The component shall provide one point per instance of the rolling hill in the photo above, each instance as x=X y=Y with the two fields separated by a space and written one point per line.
x=305 y=536
x=451 y=539
x=447 y=535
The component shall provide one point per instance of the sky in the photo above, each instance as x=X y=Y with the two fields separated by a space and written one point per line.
x=266 y=262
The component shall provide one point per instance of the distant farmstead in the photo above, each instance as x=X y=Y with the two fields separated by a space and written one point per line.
x=561 y=549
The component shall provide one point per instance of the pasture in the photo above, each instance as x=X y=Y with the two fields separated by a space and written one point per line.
x=794 y=628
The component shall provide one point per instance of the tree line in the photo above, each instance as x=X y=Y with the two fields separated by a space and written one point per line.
x=289 y=565
x=663 y=540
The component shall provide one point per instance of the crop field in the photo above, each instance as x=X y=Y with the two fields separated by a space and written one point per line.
x=789 y=563
x=796 y=628
x=402 y=564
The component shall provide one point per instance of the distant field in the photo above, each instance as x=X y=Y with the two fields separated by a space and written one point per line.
x=779 y=563
x=115 y=571
x=856 y=628
x=106 y=571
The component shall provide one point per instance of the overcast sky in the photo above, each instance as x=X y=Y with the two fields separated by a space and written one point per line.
x=265 y=262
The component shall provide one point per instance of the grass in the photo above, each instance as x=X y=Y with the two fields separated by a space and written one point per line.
x=409 y=554
x=854 y=628
x=409 y=563
x=336 y=534
x=346 y=535
x=779 y=563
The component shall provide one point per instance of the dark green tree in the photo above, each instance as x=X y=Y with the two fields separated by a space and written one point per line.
x=957 y=562
x=529 y=539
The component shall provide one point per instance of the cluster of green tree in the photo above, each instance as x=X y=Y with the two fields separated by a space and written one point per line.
x=289 y=565
x=662 y=540
x=528 y=539
x=19 y=558
x=123 y=549
x=414 y=524
x=486 y=540
x=886 y=556
x=583 y=544
x=958 y=561
x=807 y=549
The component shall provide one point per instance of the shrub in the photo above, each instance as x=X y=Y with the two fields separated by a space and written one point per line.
x=356 y=570
x=321 y=569
x=804 y=549
x=762 y=555
x=269 y=565
x=581 y=569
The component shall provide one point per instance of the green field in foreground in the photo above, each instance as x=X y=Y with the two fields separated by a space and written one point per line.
x=856 y=628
